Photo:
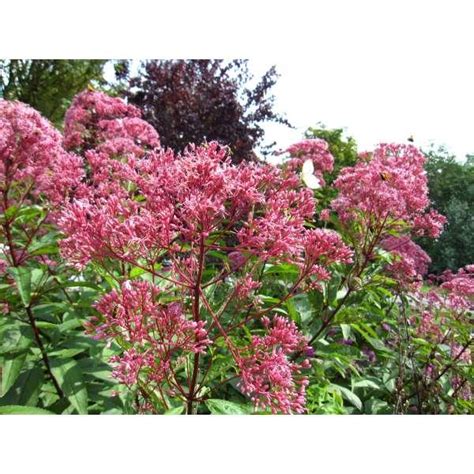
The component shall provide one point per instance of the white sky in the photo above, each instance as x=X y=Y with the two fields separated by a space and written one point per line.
x=424 y=92
x=407 y=72
x=384 y=69
x=430 y=97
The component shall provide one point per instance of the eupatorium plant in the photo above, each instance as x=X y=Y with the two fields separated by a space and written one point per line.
x=202 y=231
x=36 y=176
x=209 y=284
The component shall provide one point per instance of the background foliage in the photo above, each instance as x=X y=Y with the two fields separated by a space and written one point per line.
x=451 y=185
x=192 y=101
x=48 y=85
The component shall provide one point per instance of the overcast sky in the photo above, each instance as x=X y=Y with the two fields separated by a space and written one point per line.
x=428 y=98
x=382 y=70
x=384 y=73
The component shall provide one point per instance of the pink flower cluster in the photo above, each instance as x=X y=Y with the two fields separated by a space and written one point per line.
x=156 y=333
x=142 y=205
x=184 y=198
x=430 y=224
x=387 y=187
x=411 y=261
x=32 y=160
x=269 y=375
x=428 y=327
x=95 y=118
x=245 y=286
x=324 y=246
x=457 y=289
x=313 y=149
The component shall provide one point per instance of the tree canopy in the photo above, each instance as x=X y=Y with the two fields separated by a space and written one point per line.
x=451 y=190
x=48 y=85
x=191 y=101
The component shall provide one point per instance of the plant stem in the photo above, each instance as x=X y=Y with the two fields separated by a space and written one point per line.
x=196 y=317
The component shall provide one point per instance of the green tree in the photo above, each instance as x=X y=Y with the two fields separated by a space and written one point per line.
x=451 y=189
x=191 y=101
x=344 y=150
x=48 y=85
x=342 y=147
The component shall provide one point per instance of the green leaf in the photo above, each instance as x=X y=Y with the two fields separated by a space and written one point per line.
x=135 y=272
x=22 y=278
x=15 y=339
x=69 y=376
x=282 y=269
x=294 y=315
x=174 y=411
x=26 y=214
x=316 y=299
x=10 y=212
x=26 y=389
x=351 y=397
x=37 y=276
x=224 y=407
x=96 y=369
x=365 y=383
x=346 y=331
x=68 y=353
x=20 y=410
x=30 y=383
x=11 y=370
x=303 y=307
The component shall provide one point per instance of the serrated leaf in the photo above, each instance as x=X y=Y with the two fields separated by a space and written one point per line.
x=22 y=278
x=97 y=369
x=15 y=339
x=225 y=407
x=26 y=389
x=365 y=384
x=21 y=410
x=70 y=379
x=30 y=383
x=11 y=370
x=174 y=411
x=351 y=397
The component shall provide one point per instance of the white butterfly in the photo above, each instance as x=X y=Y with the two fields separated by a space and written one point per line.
x=308 y=177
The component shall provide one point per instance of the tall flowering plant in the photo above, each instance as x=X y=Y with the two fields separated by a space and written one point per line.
x=186 y=241
x=208 y=286
x=36 y=175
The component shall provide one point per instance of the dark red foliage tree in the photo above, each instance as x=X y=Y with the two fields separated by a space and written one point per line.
x=192 y=101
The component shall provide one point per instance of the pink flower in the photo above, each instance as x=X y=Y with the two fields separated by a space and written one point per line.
x=268 y=374
x=411 y=261
x=237 y=260
x=156 y=333
x=313 y=149
x=245 y=286
x=325 y=215
x=32 y=157
x=325 y=246
x=428 y=327
x=460 y=289
x=430 y=224
x=89 y=115
x=387 y=187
